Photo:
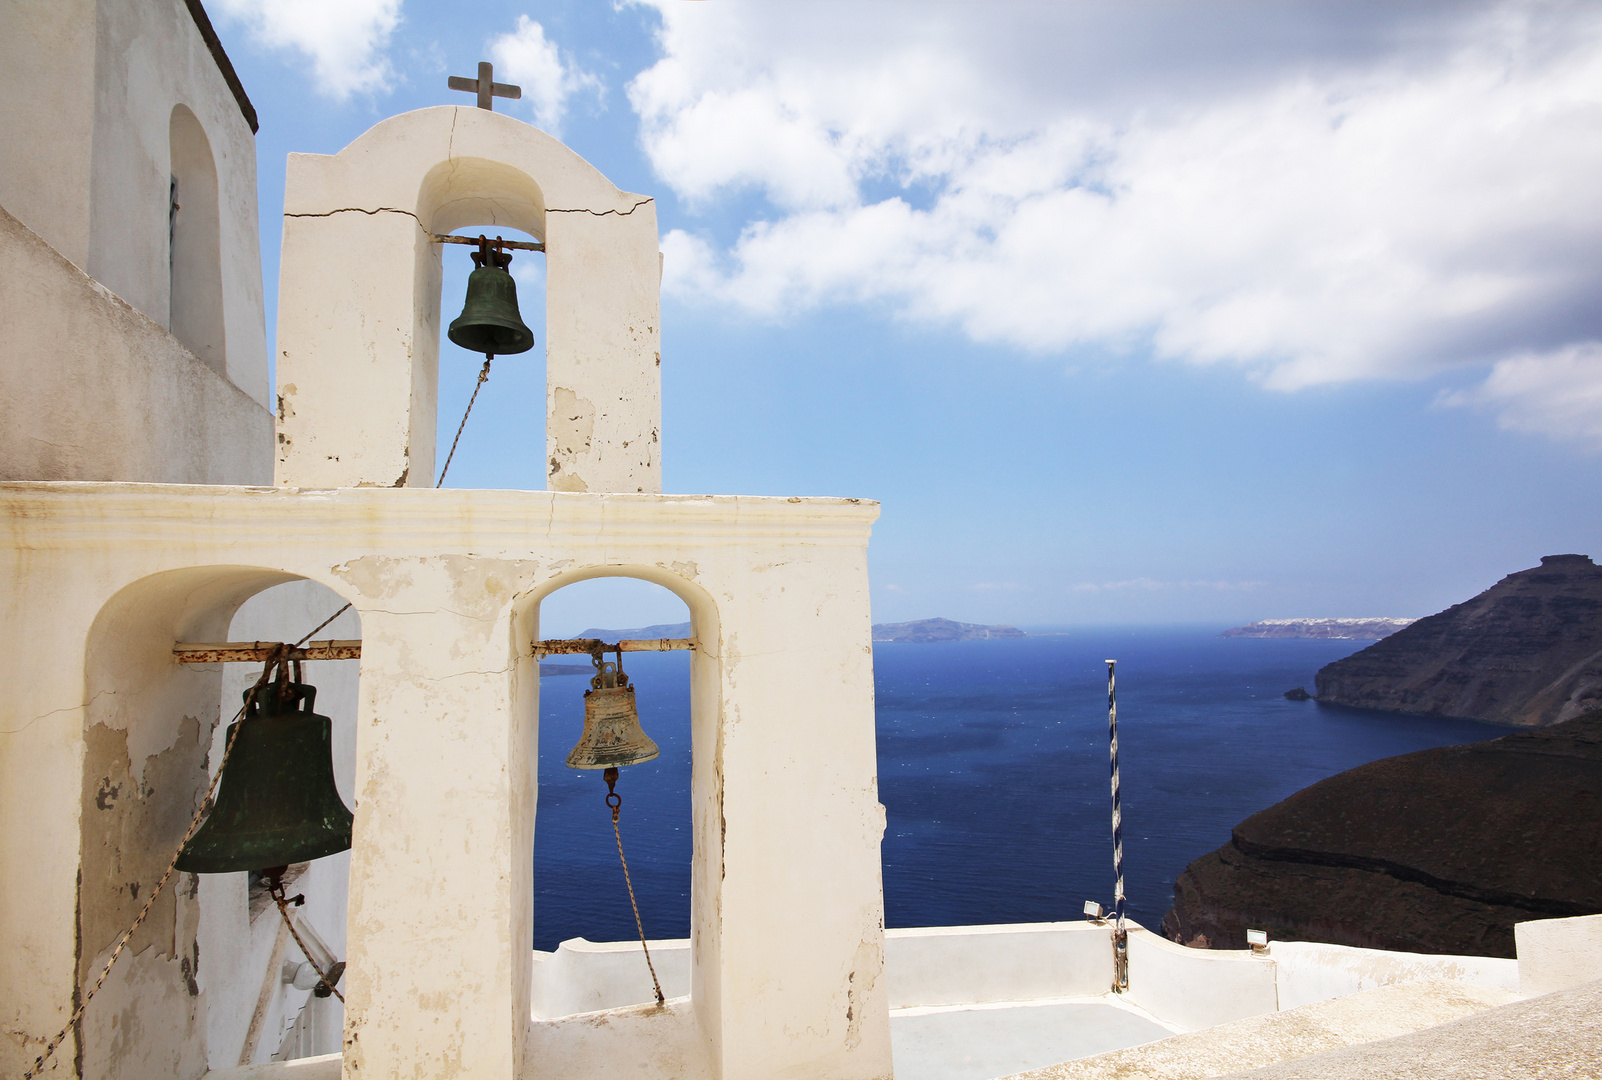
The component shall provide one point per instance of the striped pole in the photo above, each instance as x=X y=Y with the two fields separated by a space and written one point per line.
x=1120 y=936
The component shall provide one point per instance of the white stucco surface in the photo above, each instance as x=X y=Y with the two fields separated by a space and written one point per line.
x=1558 y=954
x=359 y=301
x=1197 y=988
x=954 y=965
x=786 y=955
x=94 y=389
x=983 y=1042
x=1308 y=971
x=586 y=976
x=93 y=178
x=1553 y=1036
x=1264 y=1040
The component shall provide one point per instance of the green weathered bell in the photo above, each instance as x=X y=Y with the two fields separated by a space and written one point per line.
x=276 y=802
x=490 y=322
x=612 y=735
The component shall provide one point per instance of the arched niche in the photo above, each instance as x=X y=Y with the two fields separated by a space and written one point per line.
x=706 y=714
x=151 y=743
x=194 y=253
x=359 y=303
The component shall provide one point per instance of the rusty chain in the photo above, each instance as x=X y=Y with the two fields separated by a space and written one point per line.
x=615 y=801
x=483 y=377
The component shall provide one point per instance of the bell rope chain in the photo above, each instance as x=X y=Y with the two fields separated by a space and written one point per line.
x=276 y=660
x=615 y=801
x=483 y=377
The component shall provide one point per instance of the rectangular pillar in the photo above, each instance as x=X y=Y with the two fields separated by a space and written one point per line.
x=440 y=878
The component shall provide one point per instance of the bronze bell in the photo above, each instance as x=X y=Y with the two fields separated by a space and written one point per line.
x=490 y=322
x=276 y=802
x=612 y=734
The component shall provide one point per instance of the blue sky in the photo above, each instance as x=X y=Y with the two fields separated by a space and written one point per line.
x=1157 y=312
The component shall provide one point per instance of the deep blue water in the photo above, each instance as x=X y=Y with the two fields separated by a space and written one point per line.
x=993 y=770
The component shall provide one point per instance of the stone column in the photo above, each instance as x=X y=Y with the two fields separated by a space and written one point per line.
x=794 y=930
x=440 y=876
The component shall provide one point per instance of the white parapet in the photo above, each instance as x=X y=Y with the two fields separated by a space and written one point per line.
x=1557 y=954
x=958 y=965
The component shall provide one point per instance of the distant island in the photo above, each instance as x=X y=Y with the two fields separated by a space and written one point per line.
x=920 y=631
x=923 y=631
x=639 y=633
x=1340 y=629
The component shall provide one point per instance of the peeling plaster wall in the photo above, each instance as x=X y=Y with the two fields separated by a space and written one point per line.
x=359 y=303
x=147 y=732
x=787 y=946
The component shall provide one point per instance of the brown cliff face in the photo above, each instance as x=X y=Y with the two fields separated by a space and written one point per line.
x=1526 y=651
x=1439 y=851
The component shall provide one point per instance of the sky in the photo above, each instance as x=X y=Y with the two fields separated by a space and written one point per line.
x=1156 y=312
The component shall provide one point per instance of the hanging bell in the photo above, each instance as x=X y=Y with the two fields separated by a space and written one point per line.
x=490 y=322
x=612 y=734
x=276 y=803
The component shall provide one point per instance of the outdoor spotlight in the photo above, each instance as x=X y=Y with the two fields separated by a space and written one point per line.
x=1258 y=940
x=1094 y=912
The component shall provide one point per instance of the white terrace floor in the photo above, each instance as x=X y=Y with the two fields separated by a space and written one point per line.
x=981 y=1042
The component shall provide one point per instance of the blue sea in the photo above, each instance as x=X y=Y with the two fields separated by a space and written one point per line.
x=993 y=771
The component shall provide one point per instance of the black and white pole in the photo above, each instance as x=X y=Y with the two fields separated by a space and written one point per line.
x=1120 y=936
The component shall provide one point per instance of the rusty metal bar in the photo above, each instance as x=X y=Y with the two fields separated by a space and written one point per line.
x=558 y=646
x=520 y=245
x=258 y=652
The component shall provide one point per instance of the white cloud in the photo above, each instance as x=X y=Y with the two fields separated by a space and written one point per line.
x=1557 y=393
x=344 y=40
x=526 y=57
x=1314 y=200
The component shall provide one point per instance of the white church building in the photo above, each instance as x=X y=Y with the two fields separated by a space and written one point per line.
x=161 y=493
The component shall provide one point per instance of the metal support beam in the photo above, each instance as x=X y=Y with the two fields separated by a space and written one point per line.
x=520 y=245
x=259 y=652
x=589 y=646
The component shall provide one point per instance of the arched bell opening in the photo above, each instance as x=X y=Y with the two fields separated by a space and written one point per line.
x=666 y=826
x=296 y=1020
x=502 y=441
x=468 y=197
x=200 y=984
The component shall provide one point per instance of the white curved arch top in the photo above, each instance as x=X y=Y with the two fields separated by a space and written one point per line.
x=359 y=303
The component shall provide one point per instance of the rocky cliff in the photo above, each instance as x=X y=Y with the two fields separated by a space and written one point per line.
x=1439 y=851
x=1526 y=651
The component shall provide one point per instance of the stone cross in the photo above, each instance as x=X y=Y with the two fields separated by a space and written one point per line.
x=485 y=86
